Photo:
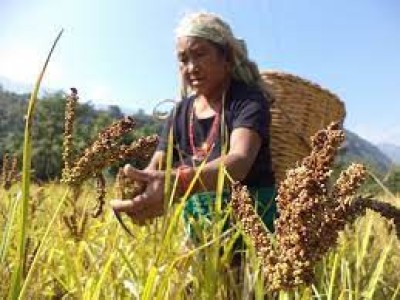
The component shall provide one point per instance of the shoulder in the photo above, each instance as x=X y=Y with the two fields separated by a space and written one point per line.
x=181 y=108
x=247 y=107
x=241 y=95
x=184 y=103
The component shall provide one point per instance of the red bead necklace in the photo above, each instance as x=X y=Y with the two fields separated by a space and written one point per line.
x=199 y=153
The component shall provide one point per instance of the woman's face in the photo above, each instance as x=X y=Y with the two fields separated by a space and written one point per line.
x=202 y=66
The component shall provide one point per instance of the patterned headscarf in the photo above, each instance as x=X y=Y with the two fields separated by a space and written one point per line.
x=211 y=27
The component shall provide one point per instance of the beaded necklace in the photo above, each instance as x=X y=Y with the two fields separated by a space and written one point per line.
x=199 y=153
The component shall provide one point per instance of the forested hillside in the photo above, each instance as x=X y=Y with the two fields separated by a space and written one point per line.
x=48 y=132
x=48 y=129
x=358 y=149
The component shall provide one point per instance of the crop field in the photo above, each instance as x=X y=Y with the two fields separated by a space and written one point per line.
x=98 y=260
x=61 y=239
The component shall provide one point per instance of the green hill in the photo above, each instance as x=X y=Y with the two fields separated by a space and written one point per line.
x=49 y=128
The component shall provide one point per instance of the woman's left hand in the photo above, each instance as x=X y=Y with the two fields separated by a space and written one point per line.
x=147 y=205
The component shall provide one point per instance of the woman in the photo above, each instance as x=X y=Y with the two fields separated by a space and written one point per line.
x=220 y=87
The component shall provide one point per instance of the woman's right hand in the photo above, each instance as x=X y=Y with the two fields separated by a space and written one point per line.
x=148 y=204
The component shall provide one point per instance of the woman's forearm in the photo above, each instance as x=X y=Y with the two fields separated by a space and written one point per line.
x=236 y=165
x=245 y=145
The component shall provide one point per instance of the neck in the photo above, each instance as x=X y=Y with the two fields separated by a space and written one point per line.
x=206 y=102
x=214 y=99
x=207 y=107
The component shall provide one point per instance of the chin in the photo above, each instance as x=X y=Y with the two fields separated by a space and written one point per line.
x=197 y=91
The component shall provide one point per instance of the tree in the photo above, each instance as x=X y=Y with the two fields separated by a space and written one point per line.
x=48 y=129
x=393 y=181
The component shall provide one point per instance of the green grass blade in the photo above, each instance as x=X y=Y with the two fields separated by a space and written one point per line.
x=130 y=267
x=306 y=294
x=174 y=220
x=7 y=229
x=364 y=242
x=168 y=169
x=26 y=167
x=40 y=249
x=99 y=284
x=373 y=282
x=283 y=295
x=349 y=280
x=221 y=169
x=317 y=294
x=164 y=279
x=333 y=277
x=394 y=297
x=149 y=286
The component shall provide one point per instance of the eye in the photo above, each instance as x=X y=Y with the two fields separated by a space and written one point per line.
x=182 y=58
x=199 y=54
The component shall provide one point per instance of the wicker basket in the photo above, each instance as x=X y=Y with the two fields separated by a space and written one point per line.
x=299 y=109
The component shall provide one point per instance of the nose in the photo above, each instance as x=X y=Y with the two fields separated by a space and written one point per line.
x=192 y=66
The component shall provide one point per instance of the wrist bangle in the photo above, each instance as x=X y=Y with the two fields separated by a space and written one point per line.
x=184 y=178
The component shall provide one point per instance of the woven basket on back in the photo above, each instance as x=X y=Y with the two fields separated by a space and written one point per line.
x=299 y=109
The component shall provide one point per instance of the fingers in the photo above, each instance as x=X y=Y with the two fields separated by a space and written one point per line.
x=138 y=219
x=121 y=205
x=146 y=205
x=129 y=205
x=136 y=174
x=140 y=202
x=134 y=208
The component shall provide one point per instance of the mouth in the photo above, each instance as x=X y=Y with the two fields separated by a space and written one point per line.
x=194 y=82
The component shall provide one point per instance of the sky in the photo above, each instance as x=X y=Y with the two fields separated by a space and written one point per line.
x=123 y=51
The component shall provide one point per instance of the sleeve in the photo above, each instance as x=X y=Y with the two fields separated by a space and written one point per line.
x=252 y=112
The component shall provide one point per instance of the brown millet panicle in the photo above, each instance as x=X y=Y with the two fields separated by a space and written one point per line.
x=5 y=169
x=348 y=182
x=36 y=201
x=102 y=153
x=68 y=147
x=101 y=194
x=76 y=226
x=10 y=171
x=119 y=184
x=243 y=210
x=310 y=217
x=301 y=201
x=340 y=204
x=142 y=149
x=359 y=206
x=13 y=174
x=126 y=187
x=29 y=257
x=336 y=210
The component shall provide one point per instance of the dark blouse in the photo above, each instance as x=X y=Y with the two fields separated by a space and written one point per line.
x=245 y=106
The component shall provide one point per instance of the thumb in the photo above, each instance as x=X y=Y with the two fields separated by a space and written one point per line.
x=136 y=174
